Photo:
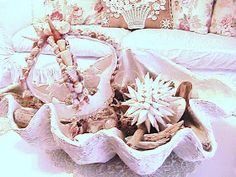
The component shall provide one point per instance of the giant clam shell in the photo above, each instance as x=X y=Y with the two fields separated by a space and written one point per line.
x=38 y=131
x=43 y=129
x=103 y=145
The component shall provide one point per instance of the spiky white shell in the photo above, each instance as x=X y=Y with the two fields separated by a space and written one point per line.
x=149 y=102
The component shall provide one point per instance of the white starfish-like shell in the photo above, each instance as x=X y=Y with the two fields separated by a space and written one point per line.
x=150 y=102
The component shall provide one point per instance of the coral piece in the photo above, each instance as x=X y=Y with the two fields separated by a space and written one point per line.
x=104 y=119
x=72 y=127
x=184 y=91
x=22 y=116
x=167 y=133
x=152 y=141
x=126 y=127
x=137 y=137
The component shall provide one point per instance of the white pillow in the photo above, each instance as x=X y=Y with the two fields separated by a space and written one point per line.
x=15 y=14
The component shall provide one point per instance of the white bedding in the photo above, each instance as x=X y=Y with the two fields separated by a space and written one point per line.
x=46 y=68
x=226 y=76
x=191 y=50
x=49 y=61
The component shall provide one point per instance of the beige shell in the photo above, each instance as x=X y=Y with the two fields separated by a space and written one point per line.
x=23 y=116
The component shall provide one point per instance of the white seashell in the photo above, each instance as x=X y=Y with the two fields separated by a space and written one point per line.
x=78 y=88
x=56 y=49
x=66 y=57
x=35 y=51
x=100 y=147
x=51 y=41
x=61 y=44
x=30 y=62
x=72 y=74
x=59 y=60
x=153 y=99
x=43 y=130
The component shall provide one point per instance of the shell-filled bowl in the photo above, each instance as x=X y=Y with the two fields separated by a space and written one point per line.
x=100 y=147
x=84 y=148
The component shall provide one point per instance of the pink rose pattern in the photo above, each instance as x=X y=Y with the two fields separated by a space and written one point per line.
x=186 y=18
x=224 y=18
x=184 y=23
x=71 y=12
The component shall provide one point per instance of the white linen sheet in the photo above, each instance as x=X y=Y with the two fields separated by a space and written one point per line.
x=191 y=50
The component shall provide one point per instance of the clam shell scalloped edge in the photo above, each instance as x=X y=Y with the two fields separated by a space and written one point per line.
x=102 y=146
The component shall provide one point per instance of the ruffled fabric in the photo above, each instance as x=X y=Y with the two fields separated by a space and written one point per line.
x=10 y=72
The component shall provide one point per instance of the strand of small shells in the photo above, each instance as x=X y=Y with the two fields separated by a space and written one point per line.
x=31 y=59
x=103 y=38
x=72 y=77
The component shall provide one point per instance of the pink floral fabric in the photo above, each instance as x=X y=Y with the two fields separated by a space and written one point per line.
x=192 y=15
x=224 y=18
x=136 y=14
x=76 y=12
